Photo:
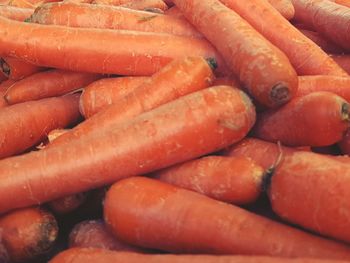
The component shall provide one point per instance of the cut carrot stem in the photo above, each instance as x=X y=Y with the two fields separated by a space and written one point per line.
x=28 y=233
x=306 y=57
x=104 y=92
x=16 y=13
x=17 y=69
x=306 y=121
x=67 y=204
x=263 y=69
x=160 y=208
x=343 y=61
x=48 y=84
x=285 y=7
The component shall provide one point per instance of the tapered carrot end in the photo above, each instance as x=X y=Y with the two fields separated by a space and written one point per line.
x=280 y=94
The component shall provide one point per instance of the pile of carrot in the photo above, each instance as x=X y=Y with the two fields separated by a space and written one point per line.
x=174 y=131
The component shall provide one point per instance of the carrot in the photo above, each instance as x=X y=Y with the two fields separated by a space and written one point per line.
x=194 y=125
x=228 y=179
x=285 y=7
x=102 y=16
x=54 y=134
x=174 y=12
x=28 y=3
x=343 y=61
x=262 y=68
x=3 y=88
x=306 y=57
x=4 y=258
x=67 y=204
x=159 y=208
x=28 y=233
x=17 y=69
x=26 y=124
x=48 y=84
x=124 y=52
x=229 y=81
x=2 y=77
x=113 y=2
x=146 y=4
x=344 y=144
x=16 y=13
x=99 y=94
x=342 y=2
x=306 y=121
x=177 y=79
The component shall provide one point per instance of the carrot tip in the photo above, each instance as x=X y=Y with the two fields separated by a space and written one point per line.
x=212 y=63
x=280 y=93
x=345 y=108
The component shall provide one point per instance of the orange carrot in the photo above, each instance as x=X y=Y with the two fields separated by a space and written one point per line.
x=159 y=208
x=306 y=121
x=177 y=79
x=2 y=77
x=328 y=18
x=111 y=2
x=112 y=17
x=262 y=68
x=17 y=69
x=343 y=61
x=306 y=57
x=342 y=2
x=194 y=125
x=228 y=81
x=99 y=94
x=67 y=204
x=48 y=84
x=4 y=257
x=124 y=52
x=146 y=4
x=16 y=13
x=344 y=144
x=28 y=233
x=26 y=124
x=285 y=7
x=54 y=134
x=174 y=12
x=228 y=179
x=28 y=3
x=3 y=88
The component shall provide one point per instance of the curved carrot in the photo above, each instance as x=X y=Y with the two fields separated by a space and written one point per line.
x=343 y=61
x=306 y=121
x=48 y=84
x=262 y=68
x=328 y=18
x=17 y=69
x=306 y=57
x=125 y=52
x=228 y=179
x=99 y=94
x=186 y=128
x=177 y=79
x=112 y=17
x=285 y=7
x=28 y=233
x=26 y=124
x=160 y=208
x=67 y=204
x=16 y=13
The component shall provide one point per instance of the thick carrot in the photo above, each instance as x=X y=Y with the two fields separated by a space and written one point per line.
x=174 y=219
x=99 y=94
x=28 y=233
x=306 y=57
x=48 y=84
x=16 y=13
x=112 y=17
x=4 y=257
x=67 y=204
x=146 y=4
x=343 y=61
x=285 y=7
x=17 y=69
x=124 y=52
x=330 y=19
x=228 y=179
x=262 y=68
x=177 y=79
x=318 y=119
x=26 y=124
x=189 y=127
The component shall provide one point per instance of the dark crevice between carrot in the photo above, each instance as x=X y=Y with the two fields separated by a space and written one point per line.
x=154 y=10
x=212 y=63
x=5 y=67
x=345 y=111
x=267 y=177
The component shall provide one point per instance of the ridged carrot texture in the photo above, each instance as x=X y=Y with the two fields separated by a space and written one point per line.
x=123 y=53
x=17 y=69
x=306 y=57
x=317 y=119
x=28 y=3
x=285 y=7
x=343 y=61
x=261 y=67
x=67 y=204
x=342 y=2
x=177 y=79
x=328 y=18
x=28 y=233
x=48 y=84
x=112 y=17
x=27 y=124
x=181 y=130
x=104 y=92
x=136 y=5
x=16 y=13
x=228 y=179
x=137 y=208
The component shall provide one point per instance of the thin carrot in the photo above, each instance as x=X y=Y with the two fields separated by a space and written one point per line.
x=16 y=13
x=328 y=18
x=26 y=124
x=343 y=61
x=177 y=79
x=99 y=94
x=67 y=204
x=189 y=127
x=228 y=179
x=28 y=233
x=17 y=69
x=174 y=12
x=318 y=119
x=285 y=7
x=174 y=219
x=261 y=67
x=306 y=57
x=112 y=17
x=124 y=52
x=48 y=84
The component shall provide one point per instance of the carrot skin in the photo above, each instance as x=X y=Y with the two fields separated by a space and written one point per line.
x=67 y=204
x=146 y=4
x=4 y=257
x=174 y=12
x=284 y=7
x=17 y=69
x=342 y=2
x=344 y=144
x=137 y=207
x=15 y=13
